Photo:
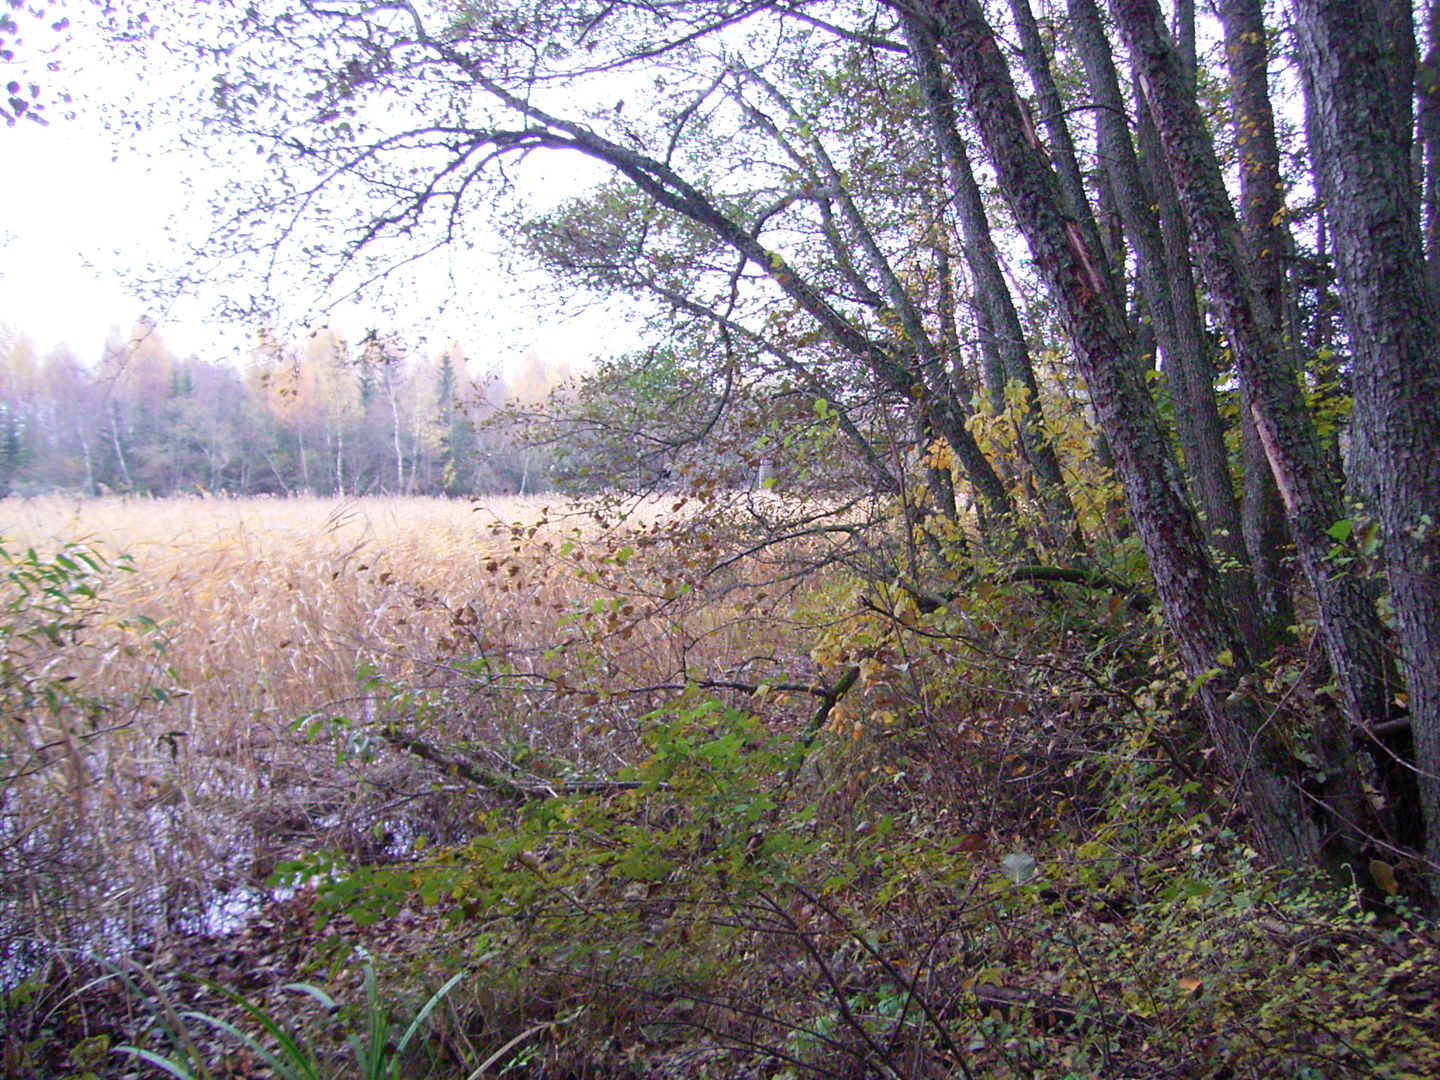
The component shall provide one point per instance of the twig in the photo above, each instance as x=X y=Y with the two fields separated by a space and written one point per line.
x=491 y=780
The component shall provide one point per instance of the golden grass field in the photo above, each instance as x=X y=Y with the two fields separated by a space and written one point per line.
x=269 y=611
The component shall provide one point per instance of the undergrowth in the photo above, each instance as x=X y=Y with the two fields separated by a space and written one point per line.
x=686 y=815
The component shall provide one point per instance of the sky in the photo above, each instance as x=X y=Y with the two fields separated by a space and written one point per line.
x=69 y=216
x=78 y=208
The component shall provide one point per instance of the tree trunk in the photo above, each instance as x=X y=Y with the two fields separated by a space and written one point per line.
x=88 y=486
x=1352 y=629
x=1005 y=337
x=1052 y=116
x=1190 y=368
x=991 y=362
x=1173 y=312
x=1262 y=216
x=1427 y=93
x=119 y=450
x=1353 y=53
x=1249 y=746
x=395 y=435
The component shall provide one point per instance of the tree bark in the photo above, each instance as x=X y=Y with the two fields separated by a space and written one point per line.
x=1062 y=145
x=1190 y=367
x=1352 y=629
x=1262 y=216
x=1353 y=53
x=1249 y=746
x=1427 y=95
x=999 y=321
x=1173 y=313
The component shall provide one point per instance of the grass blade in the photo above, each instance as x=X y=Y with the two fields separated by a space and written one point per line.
x=427 y=1009
x=174 y=1068
x=516 y=1041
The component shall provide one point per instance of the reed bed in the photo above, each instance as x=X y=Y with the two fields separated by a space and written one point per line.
x=526 y=632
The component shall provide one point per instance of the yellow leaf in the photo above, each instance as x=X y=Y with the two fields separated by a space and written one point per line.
x=1189 y=983
x=1384 y=875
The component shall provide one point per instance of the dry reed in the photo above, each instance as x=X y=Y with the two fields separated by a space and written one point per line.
x=523 y=631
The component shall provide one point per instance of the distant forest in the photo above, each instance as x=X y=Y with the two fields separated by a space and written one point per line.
x=322 y=416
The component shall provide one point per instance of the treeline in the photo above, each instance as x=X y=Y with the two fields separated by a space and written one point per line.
x=322 y=415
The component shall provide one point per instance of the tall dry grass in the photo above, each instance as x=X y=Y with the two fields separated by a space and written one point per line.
x=525 y=632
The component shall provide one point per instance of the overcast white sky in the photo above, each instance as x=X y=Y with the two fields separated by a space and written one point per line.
x=70 y=216
x=75 y=214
